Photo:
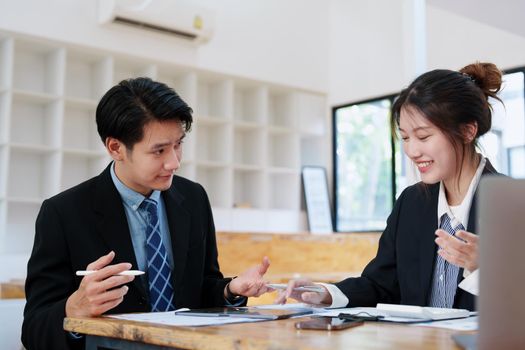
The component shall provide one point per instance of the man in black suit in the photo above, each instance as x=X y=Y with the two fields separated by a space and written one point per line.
x=135 y=215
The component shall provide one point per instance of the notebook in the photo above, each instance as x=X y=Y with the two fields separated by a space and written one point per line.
x=422 y=312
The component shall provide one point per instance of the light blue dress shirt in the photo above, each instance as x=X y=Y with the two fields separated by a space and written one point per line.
x=137 y=220
x=137 y=224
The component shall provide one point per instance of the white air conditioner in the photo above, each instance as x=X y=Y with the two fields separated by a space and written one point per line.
x=172 y=17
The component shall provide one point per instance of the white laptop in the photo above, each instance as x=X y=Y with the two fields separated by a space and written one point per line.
x=501 y=227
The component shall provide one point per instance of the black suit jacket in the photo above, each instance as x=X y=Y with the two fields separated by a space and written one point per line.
x=401 y=272
x=76 y=227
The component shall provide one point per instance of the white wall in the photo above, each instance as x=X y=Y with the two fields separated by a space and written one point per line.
x=264 y=40
x=284 y=41
x=366 y=57
x=455 y=41
x=351 y=49
x=368 y=48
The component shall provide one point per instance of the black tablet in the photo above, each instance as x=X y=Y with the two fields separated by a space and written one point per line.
x=247 y=312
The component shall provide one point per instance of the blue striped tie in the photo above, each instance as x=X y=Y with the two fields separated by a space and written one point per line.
x=159 y=271
x=445 y=276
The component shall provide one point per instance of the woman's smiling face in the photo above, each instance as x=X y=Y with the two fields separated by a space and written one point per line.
x=428 y=147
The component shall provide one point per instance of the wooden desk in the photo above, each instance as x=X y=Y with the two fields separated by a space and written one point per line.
x=260 y=335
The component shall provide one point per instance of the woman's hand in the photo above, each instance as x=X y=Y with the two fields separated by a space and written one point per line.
x=314 y=298
x=461 y=250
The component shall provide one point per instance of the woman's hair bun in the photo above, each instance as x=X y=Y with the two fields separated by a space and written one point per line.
x=486 y=75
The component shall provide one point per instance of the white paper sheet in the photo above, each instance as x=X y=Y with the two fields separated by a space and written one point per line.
x=169 y=318
x=460 y=324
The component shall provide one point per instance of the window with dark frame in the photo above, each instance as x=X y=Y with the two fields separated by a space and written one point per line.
x=364 y=164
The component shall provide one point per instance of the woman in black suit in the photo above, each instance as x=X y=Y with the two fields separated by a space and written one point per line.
x=428 y=253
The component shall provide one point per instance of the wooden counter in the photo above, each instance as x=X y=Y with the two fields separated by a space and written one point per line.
x=297 y=253
x=13 y=289
x=321 y=258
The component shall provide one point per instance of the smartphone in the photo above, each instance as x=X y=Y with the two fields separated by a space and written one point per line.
x=327 y=323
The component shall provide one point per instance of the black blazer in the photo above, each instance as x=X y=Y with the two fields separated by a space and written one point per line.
x=401 y=272
x=76 y=227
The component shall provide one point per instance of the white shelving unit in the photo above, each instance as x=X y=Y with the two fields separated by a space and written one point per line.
x=248 y=142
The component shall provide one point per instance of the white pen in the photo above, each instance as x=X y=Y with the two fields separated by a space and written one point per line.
x=123 y=273
x=317 y=289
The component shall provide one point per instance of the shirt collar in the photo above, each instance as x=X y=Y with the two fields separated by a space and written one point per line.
x=130 y=197
x=462 y=210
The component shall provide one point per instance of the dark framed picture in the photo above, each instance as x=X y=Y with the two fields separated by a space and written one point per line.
x=317 y=200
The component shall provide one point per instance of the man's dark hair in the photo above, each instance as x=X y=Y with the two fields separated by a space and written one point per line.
x=128 y=106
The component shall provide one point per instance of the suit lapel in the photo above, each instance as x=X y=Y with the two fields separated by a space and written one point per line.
x=427 y=225
x=179 y=225
x=112 y=225
x=472 y=217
